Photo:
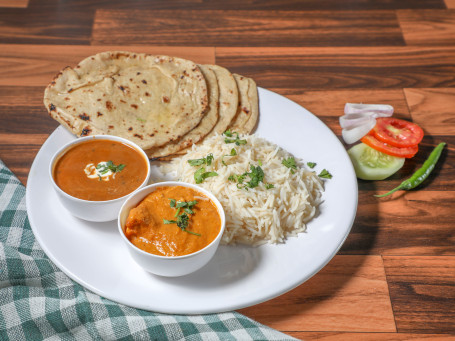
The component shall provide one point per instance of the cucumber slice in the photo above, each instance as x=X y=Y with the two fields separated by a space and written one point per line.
x=370 y=164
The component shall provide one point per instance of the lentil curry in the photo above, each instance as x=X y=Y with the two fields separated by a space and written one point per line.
x=173 y=221
x=100 y=170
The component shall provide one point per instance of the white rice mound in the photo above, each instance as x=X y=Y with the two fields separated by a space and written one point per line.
x=258 y=215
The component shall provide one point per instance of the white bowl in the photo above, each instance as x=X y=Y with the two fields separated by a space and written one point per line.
x=97 y=211
x=162 y=265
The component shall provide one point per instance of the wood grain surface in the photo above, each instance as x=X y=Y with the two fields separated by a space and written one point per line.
x=394 y=277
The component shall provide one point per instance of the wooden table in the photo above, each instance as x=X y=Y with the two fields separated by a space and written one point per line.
x=394 y=278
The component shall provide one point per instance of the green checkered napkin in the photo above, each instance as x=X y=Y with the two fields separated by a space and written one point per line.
x=38 y=301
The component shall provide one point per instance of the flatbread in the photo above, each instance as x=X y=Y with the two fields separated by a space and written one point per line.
x=247 y=111
x=229 y=98
x=150 y=100
x=205 y=126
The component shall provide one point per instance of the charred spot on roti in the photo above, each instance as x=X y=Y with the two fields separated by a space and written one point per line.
x=147 y=94
x=134 y=106
x=130 y=128
x=109 y=105
x=84 y=117
x=52 y=107
x=111 y=127
x=144 y=81
x=166 y=99
x=86 y=131
x=138 y=136
x=99 y=114
x=122 y=101
x=245 y=110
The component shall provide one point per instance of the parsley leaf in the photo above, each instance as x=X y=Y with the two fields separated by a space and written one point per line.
x=311 y=164
x=172 y=203
x=325 y=174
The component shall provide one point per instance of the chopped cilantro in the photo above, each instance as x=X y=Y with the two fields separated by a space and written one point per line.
x=204 y=161
x=172 y=203
x=109 y=166
x=256 y=176
x=233 y=153
x=200 y=175
x=325 y=174
x=237 y=140
x=290 y=163
x=269 y=186
x=311 y=164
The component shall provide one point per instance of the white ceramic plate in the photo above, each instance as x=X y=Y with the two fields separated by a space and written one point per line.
x=93 y=254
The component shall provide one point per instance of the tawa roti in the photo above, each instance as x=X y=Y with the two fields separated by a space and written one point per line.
x=205 y=126
x=229 y=98
x=150 y=100
x=247 y=111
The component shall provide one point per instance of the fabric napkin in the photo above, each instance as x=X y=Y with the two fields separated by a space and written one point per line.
x=38 y=301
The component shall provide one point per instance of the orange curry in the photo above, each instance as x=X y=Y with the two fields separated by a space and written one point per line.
x=99 y=170
x=152 y=224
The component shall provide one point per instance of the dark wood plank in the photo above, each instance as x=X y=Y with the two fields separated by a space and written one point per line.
x=288 y=5
x=36 y=65
x=46 y=25
x=433 y=109
x=414 y=223
x=246 y=28
x=327 y=68
x=422 y=290
x=18 y=151
x=339 y=298
x=27 y=120
x=428 y=27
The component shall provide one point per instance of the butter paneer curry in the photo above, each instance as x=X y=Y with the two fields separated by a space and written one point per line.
x=100 y=170
x=173 y=221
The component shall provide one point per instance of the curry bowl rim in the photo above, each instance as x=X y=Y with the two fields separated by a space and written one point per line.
x=66 y=147
x=152 y=188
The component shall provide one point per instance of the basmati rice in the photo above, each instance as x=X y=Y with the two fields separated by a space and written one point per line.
x=258 y=215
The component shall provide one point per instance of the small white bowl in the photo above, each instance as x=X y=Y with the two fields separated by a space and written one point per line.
x=162 y=265
x=97 y=211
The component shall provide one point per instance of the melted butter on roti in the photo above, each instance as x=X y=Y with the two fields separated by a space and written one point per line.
x=150 y=100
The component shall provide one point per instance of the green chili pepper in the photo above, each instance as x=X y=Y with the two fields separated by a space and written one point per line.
x=421 y=174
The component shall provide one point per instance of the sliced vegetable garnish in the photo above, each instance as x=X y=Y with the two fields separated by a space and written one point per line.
x=373 y=142
x=422 y=173
x=354 y=134
x=370 y=164
x=396 y=132
x=379 y=110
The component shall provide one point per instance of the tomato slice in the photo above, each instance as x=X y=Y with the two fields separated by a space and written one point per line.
x=396 y=132
x=373 y=142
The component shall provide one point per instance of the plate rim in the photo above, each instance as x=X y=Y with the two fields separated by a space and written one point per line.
x=228 y=306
